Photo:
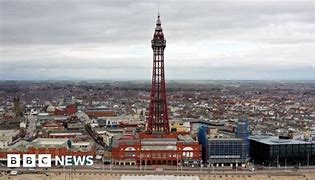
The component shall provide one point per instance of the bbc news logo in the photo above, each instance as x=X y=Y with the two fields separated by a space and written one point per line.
x=45 y=160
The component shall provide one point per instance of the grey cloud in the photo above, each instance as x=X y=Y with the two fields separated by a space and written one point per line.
x=285 y=30
x=130 y=21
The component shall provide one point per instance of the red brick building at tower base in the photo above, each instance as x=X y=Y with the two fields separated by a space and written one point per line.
x=172 y=149
x=156 y=146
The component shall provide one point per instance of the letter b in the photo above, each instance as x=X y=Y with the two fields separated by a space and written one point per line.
x=13 y=160
x=29 y=160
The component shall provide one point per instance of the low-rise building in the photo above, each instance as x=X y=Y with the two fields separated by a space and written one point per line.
x=169 y=149
x=179 y=126
x=53 y=126
x=110 y=134
x=271 y=150
x=100 y=111
x=7 y=137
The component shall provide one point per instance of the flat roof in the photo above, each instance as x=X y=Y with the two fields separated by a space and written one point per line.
x=159 y=140
x=7 y=135
x=225 y=139
x=274 y=140
x=49 y=141
x=65 y=133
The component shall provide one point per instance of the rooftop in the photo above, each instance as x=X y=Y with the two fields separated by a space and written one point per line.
x=48 y=142
x=6 y=135
x=54 y=143
x=274 y=140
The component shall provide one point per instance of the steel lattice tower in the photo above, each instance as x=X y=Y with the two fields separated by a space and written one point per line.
x=158 y=115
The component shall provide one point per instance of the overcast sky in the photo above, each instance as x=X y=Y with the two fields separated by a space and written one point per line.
x=104 y=39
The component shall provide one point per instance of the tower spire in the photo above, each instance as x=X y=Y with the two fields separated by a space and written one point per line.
x=158 y=23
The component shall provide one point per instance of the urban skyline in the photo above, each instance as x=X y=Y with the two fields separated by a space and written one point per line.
x=220 y=40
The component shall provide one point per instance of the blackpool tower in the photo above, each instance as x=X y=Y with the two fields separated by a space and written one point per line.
x=156 y=146
x=158 y=116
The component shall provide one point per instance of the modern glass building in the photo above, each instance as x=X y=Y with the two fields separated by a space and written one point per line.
x=226 y=151
x=243 y=132
x=270 y=150
x=224 y=148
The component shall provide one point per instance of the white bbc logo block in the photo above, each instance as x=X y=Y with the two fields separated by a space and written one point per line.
x=13 y=160
x=29 y=160
x=44 y=160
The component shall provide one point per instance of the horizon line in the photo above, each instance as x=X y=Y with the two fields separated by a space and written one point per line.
x=3 y=80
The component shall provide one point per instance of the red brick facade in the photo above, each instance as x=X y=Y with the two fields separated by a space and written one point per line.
x=134 y=153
